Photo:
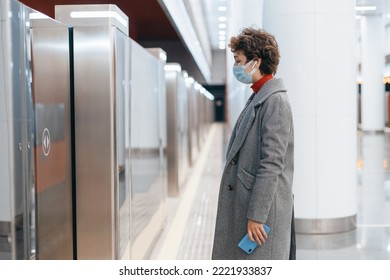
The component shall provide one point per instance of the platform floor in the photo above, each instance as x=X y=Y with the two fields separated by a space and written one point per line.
x=189 y=230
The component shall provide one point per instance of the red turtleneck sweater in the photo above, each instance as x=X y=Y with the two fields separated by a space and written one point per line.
x=257 y=86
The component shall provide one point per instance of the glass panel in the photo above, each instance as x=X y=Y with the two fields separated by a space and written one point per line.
x=148 y=188
x=122 y=126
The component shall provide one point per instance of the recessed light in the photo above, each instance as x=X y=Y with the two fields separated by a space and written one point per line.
x=365 y=8
x=172 y=67
x=38 y=16
x=99 y=14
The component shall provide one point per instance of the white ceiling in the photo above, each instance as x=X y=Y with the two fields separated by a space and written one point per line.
x=382 y=7
x=215 y=12
x=213 y=16
x=379 y=4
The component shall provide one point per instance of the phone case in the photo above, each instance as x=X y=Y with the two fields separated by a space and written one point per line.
x=249 y=246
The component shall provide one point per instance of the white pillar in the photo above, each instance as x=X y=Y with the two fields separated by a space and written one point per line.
x=318 y=66
x=240 y=16
x=373 y=63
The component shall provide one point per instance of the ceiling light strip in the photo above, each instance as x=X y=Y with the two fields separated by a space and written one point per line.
x=181 y=20
x=365 y=8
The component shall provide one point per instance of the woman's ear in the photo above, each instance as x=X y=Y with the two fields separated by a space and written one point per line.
x=258 y=62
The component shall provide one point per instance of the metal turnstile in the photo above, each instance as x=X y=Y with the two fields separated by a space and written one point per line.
x=102 y=129
x=17 y=228
x=177 y=128
x=35 y=136
x=193 y=120
x=51 y=88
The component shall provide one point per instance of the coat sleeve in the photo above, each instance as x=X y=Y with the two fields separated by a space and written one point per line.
x=275 y=131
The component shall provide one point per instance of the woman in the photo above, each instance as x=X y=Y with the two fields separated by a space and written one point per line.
x=256 y=186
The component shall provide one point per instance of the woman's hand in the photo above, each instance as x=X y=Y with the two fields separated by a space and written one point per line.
x=256 y=232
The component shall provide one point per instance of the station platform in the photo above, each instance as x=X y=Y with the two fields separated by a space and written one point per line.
x=189 y=230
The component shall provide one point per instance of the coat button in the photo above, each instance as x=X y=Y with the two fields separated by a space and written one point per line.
x=233 y=162
x=230 y=187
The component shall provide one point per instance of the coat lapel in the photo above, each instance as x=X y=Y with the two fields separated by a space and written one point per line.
x=232 y=138
x=241 y=132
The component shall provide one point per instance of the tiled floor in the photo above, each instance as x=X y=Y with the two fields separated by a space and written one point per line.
x=371 y=239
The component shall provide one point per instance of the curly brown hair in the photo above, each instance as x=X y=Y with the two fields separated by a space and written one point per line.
x=257 y=43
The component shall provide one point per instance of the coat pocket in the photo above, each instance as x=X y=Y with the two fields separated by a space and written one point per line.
x=246 y=179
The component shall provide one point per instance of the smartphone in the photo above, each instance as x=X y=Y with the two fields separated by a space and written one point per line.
x=249 y=246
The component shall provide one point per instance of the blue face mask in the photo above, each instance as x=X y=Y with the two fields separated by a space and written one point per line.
x=239 y=71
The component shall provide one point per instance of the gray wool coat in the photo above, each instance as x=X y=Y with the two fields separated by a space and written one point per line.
x=257 y=180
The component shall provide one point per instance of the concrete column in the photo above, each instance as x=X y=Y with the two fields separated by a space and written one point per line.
x=318 y=66
x=373 y=97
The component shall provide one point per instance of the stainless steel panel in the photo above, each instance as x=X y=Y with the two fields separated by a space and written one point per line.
x=199 y=135
x=6 y=143
x=177 y=129
x=202 y=118
x=102 y=162
x=325 y=226
x=96 y=167
x=193 y=121
x=172 y=130
x=208 y=113
x=148 y=180
x=52 y=148
x=17 y=210
x=182 y=109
